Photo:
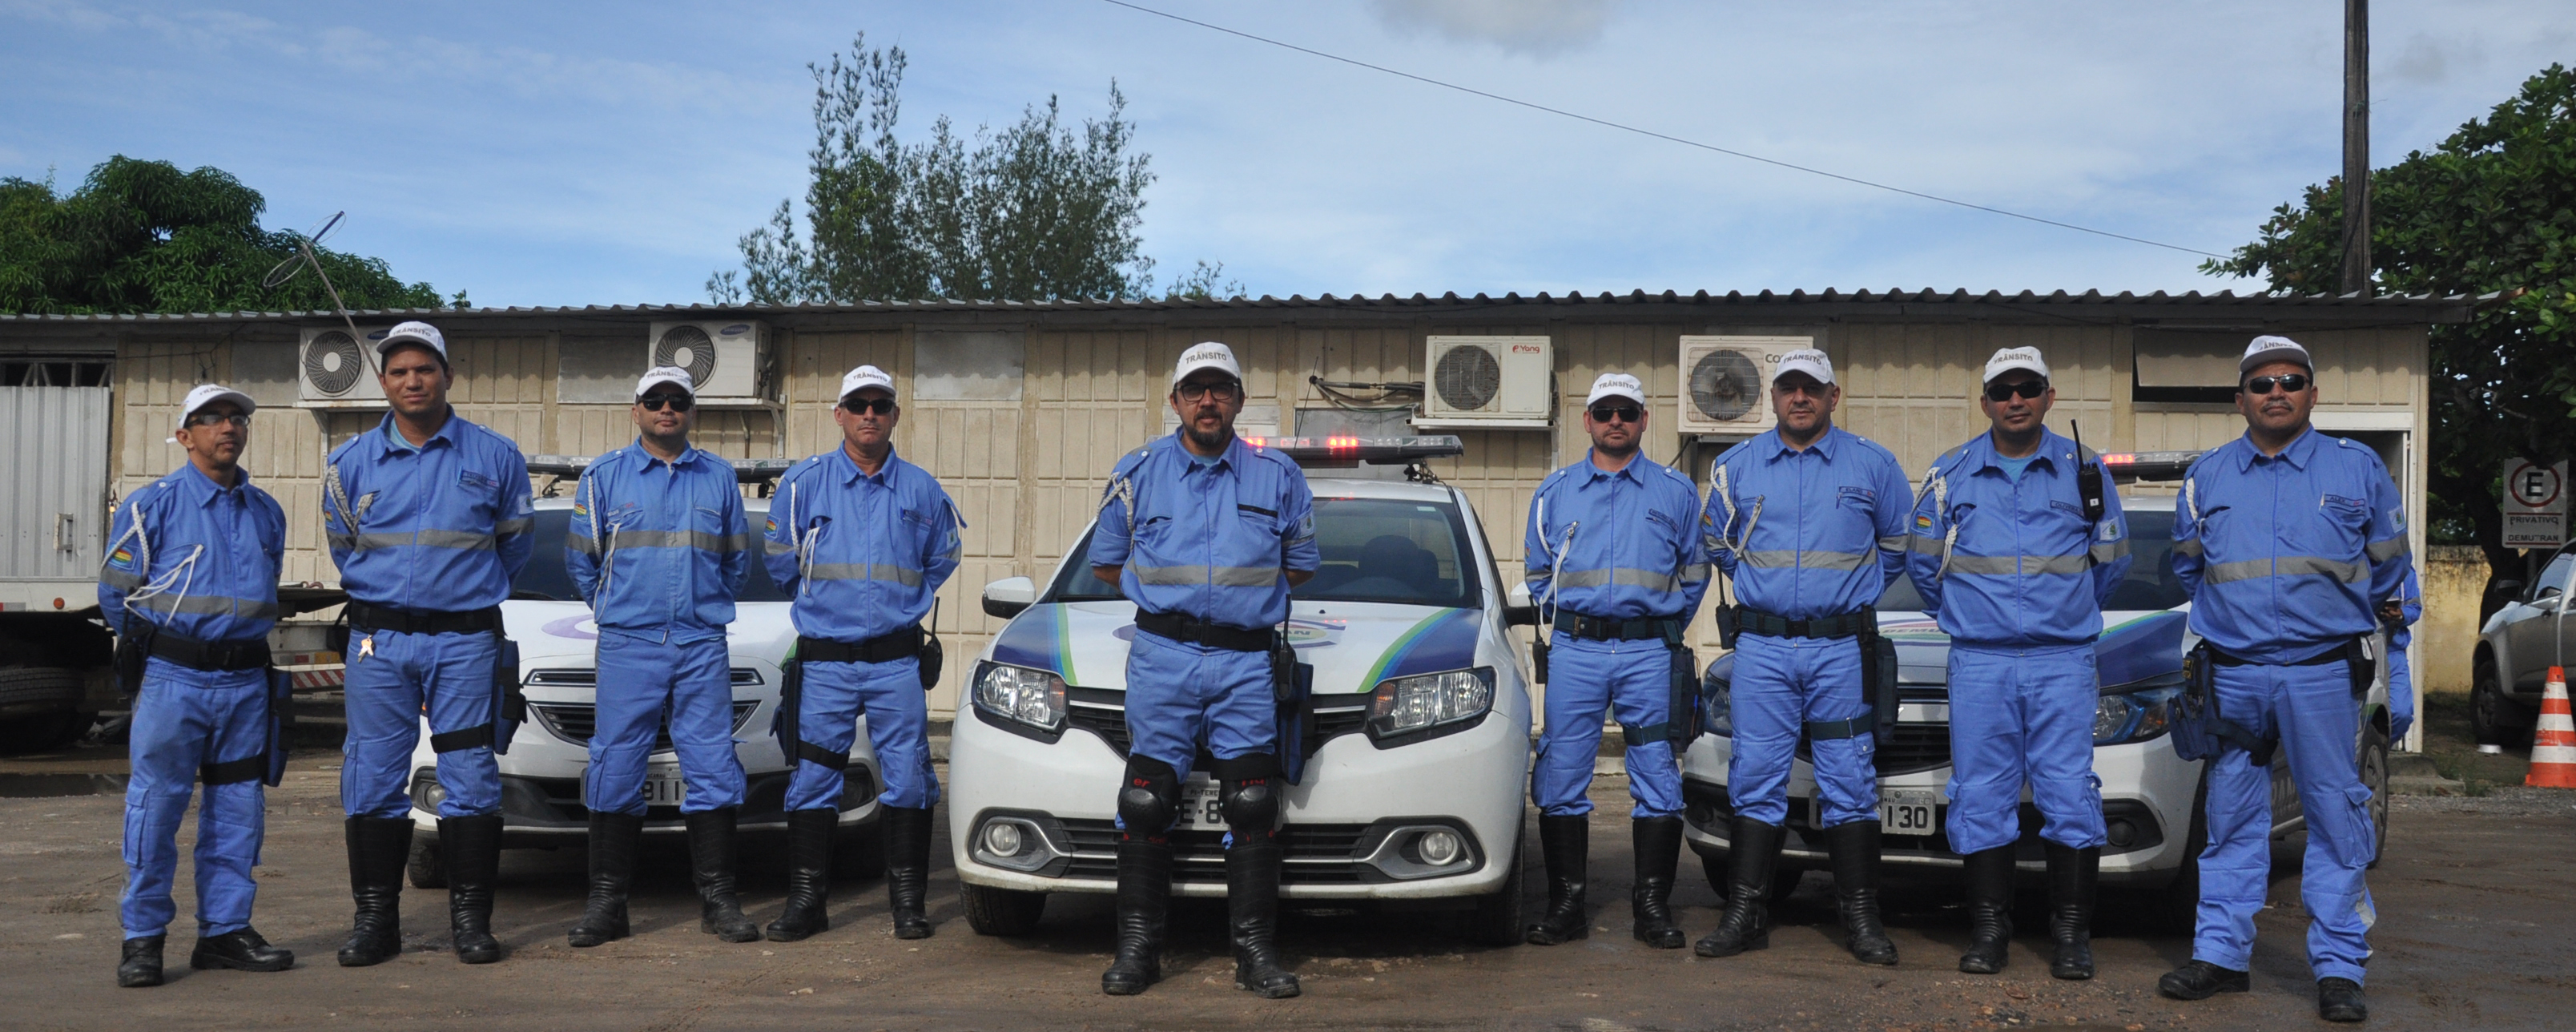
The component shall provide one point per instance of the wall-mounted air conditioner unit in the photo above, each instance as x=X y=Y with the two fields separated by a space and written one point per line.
x=1487 y=383
x=1726 y=382
x=728 y=358
x=336 y=370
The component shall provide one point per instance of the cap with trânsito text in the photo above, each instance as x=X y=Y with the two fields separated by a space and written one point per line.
x=209 y=393
x=864 y=377
x=673 y=375
x=2006 y=360
x=1206 y=355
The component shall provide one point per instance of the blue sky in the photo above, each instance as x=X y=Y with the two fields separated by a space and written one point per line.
x=544 y=154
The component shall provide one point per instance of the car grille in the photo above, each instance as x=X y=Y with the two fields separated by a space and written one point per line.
x=575 y=722
x=588 y=677
x=1316 y=854
x=1103 y=712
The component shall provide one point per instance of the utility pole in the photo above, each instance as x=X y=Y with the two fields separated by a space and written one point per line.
x=2356 y=147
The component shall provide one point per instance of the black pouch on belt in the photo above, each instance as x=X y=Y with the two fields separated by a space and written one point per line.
x=791 y=697
x=281 y=724
x=1688 y=709
x=133 y=653
x=1878 y=677
x=335 y=635
x=2360 y=664
x=509 y=704
x=931 y=657
x=1729 y=624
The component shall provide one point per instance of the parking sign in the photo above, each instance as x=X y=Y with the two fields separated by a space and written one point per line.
x=2535 y=504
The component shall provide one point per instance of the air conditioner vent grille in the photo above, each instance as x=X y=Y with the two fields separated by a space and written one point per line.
x=1467 y=378
x=689 y=348
x=332 y=362
x=1725 y=384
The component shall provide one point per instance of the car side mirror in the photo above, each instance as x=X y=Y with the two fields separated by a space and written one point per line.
x=1009 y=597
x=2508 y=588
x=1518 y=610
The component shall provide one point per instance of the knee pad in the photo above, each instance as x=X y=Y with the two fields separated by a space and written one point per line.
x=1150 y=800
x=1248 y=790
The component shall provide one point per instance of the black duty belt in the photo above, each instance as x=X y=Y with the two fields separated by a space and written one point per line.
x=1758 y=622
x=2337 y=654
x=900 y=643
x=366 y=617
x=247 y=654
x=1595 y=628
x=1216 y=636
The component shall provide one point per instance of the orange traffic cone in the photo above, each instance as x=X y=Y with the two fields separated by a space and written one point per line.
x=2553 y=745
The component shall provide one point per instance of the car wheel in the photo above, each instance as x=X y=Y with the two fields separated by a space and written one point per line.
x=2177 y=908
x=2373 y=763
x=1009 y=913
x=2492 y=717
x=858 y=855
x=36 y=687
x=1496 y=920
x=427 y=868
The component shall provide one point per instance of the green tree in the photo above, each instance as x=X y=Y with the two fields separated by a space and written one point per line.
x=1033 y=211
x=143 y=236
x=2492 y=210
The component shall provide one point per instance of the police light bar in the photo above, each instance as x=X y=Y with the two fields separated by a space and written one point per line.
x=1345 y=450
x=2153 y=465
x=569 y=467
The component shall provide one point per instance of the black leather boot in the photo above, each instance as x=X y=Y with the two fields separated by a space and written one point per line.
x=473 y=851
x=140 y=966
x=1252 y=899
x=2072 y=874
x=907 y=861
x=241 y=949
x=1563 y=842
x=1854 y=849
x=378 y=849
x=1658 y=842
x=1990 y=883
x=2200 y=980
x=809 y=875
x=1144 y=897
x=2339 y=999
x=613 y=839
x=711 y=834
x=1753 y=848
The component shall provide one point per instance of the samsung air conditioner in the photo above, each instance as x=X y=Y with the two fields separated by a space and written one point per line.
x=336 y=370
x=1485 y=383
x=1726 y=383
x=727 y=358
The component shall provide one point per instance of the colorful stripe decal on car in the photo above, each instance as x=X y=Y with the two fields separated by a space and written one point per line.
x=1037 y=641
x=1445 y=640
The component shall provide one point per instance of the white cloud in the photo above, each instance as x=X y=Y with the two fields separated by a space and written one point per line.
x=1539 y=28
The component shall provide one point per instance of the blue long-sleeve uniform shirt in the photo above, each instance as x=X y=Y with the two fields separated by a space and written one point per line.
x=195 y=559
x=862 y=555
x=1805 y=534
x=659 y=548
x=1618 y=545
x=1207 y=540
x=2288 y=556
x=2023 y=568
x=438 y=528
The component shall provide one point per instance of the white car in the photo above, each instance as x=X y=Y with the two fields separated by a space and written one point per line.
x=2151 y=797
x=541 y=775
x=2516 y=648
x=1419 y=740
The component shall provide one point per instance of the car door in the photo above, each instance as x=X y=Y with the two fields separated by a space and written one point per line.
x=2538 y=640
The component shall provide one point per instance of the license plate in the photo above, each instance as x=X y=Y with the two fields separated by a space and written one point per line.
x=1201 y=808
x=1906 y=813
x=663 y=787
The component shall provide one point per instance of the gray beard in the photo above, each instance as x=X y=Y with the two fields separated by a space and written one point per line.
x=1209 y=441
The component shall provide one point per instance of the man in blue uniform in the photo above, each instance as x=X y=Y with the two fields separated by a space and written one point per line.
x=2017 y=541
x=1206 y=534
x=658 y=546
x=428 y=517
x=1808 y=521
x=2288 y=541
x=190 y=586
x=1614 y=554
x=862 y=540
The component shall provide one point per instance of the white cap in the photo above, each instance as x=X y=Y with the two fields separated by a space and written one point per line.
x=2006 y=360
x=1206 y=355
x=1615 y=385
x=413 y=332
x=2268 y=349
x=209 y=393
x=659 y=375
x=864 y=377
x=1805 y=360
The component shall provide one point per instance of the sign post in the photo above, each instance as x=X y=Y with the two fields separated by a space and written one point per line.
x=2535 y=504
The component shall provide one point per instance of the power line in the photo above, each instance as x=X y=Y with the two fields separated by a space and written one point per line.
x=1606 y=123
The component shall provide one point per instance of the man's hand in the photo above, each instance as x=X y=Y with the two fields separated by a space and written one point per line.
x=1107 y=574
x=1297 y=577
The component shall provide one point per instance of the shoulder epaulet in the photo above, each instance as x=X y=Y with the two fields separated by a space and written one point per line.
x=1683 y=478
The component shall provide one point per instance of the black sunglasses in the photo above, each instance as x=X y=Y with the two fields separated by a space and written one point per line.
x=1225 y=391
x=863 y=406
x=1617 y=413
x=2026 y=388
x=2291 y=383
x=653 y=402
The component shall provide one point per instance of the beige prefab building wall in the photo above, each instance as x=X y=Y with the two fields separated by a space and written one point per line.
x=1021 y=409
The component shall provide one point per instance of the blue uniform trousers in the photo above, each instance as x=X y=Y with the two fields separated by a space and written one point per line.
x=1631 y=679
x=898 y=715
x=641 y=680
x=1179 y=694
x=449 y=675
x=1780 y=684
x=2319 y=722
x=185 y=719
x=2023 y=716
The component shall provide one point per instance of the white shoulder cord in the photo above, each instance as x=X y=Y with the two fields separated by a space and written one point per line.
x=1555 y=558
x=185 y=572
x=1726 y=497
x=1941 y=507
x=1121 y=489
x=805 y=537
x=607 y=542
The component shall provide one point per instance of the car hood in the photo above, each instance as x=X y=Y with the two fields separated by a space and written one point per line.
x=2135 y=646
x=1352 y=645
x=563 y=633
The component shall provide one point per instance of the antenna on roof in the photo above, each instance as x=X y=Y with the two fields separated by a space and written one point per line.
x=303 y=256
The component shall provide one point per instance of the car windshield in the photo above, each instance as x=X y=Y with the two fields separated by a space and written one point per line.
x=1374 y=549
x=2151 y=583
x=545 y=580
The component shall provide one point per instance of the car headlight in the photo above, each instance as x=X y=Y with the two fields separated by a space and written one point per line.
x=2135 y=716
x=1404 y=705
x=1720 y=696
x=1022 y=694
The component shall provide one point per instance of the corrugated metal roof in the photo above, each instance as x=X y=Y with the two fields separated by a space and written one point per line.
x=2419 y=302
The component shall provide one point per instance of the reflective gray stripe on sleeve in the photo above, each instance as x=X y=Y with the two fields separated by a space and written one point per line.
x=2188 y=546
x=1222 y=576
x=780 y=547
x=340 y=542
x=1695 y=573
x=1896 y=543
x=120 y=579
x=208 y=605
x=2104 y=553
x=519 y=525
x=2383 y=551
x=1812 y=559
x=466 y=540
x=2289 y=566
x=905 y=576
x=581 y=543
x=1925 y=545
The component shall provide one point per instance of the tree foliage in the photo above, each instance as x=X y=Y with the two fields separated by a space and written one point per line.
x=2492 y=210
x=143 y=236
x=1033 y=211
